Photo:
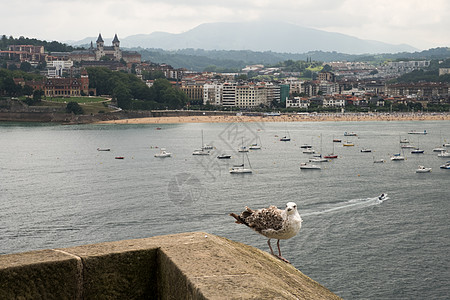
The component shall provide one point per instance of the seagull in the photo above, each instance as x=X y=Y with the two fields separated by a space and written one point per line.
x=273 y=223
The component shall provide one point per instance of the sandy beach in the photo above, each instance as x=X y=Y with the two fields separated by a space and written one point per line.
x=286 y=118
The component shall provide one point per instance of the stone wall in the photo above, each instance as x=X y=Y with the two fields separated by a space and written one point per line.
x=182 y=266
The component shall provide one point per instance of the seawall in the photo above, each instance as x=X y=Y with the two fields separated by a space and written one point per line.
x=183 y=266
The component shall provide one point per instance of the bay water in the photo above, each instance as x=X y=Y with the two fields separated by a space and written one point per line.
x=57 y=190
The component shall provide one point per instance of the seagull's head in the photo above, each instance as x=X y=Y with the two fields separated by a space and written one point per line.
x=291 y=208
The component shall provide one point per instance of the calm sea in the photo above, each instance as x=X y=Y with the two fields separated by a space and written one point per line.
x=57 y=190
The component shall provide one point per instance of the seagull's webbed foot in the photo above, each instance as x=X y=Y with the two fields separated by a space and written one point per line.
x=282 y=258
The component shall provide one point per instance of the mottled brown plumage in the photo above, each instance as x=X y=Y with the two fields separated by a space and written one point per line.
x=272 y=222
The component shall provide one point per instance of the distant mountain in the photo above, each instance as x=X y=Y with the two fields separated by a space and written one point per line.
x=257 y=36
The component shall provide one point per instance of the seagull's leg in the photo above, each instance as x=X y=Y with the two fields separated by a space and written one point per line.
x=271 y=251
x=279 y=253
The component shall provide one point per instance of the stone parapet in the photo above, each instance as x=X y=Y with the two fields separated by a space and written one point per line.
x=181 y=266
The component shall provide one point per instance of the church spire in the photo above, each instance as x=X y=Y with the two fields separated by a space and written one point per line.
x=115 y=40
x=100 y=39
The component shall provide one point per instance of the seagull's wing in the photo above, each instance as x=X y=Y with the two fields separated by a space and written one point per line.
x=266 y=219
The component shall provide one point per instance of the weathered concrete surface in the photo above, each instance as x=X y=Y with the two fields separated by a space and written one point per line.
x=182 y=266
x=42 y=274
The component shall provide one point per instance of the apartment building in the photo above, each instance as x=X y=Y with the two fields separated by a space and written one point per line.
x=250 y=96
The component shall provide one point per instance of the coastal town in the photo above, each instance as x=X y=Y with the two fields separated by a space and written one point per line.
x=332 y=87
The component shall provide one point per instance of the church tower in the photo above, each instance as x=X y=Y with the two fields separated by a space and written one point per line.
x=116 y=44
x=100 y=47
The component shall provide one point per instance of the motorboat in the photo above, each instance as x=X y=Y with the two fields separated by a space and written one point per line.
x=407 y=146
x=207 y=147
x=378 y=161
x=337 y=140
x=446 y=145
x=224 y=156
x=119 y=157
x=349 y=134
x=444 y=154
x=201 y=152
x=163 y=153
x=348 y=144
x=366 y=150
x=103 y=149
x=331 y=155
x=309 y=151
x=417 y=151
x=307 y=166
x=382 y=196
x=397 y=157
x=417 y=132
x=423 y=169
x=446 y=165
x=404 y=141
x=439 y=149
x=285 y=139
x=305 y=146
x=254 y=147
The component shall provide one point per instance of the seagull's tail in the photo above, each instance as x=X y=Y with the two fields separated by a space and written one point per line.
x=243 y=217
x=238 y=218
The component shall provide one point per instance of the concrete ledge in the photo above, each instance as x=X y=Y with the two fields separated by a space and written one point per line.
x=182 y=266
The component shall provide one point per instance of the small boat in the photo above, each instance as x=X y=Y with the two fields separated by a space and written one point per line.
x=444 y=154
x=349 y=134
x=439 y=149
x=285 y=139
x=307 y=166
x=366 y=150
x=423 y=169
x=254 y=147
x=201 y=152
x=404 y=141
x=305 y=146
x=417 y=132
x=224 y=156
x=243 y=148
x=331 y=155
x=309 y=151
x=397 y=157
x=378 y=161
x=407 y=146
x=337 y=140
x=240 y=169
x=348 y=144
x=446 y=165
x=207 y=147
x=158 y=128
x=417 y=151
x=382 y=197
x=318 y=159
x=446 y=145
x=119 y=157
x=163 y=153
x=103 y=149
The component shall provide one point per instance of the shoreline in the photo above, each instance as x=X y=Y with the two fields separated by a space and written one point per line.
x=349 y=117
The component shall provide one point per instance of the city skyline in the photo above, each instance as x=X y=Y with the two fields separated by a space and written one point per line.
x=420 y=24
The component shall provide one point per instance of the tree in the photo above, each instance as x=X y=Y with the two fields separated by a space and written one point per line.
x=74 y=107
x=25 y=66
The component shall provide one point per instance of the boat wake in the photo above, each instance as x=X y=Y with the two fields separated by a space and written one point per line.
x=344 y=205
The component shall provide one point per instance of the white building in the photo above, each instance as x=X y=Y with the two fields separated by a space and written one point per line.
x=57 y=67
x=334 y=102
x=297 y=102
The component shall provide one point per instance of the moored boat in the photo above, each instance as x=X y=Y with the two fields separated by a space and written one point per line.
x=423 y=169
x=163 y=153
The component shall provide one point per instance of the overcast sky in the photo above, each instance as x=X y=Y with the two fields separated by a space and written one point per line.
x=419 y=23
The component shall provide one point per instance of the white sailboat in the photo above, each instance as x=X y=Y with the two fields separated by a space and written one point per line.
x=202 y=150
x=307 y=166
x=255 y=145
x=241 y=169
